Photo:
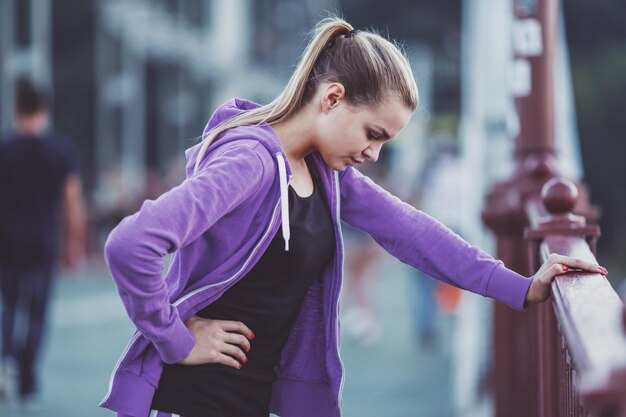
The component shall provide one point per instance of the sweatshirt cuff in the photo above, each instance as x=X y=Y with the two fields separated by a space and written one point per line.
x=508 y=287
x=178 y=345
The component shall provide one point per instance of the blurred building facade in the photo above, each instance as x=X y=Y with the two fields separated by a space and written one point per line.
x=135 y=81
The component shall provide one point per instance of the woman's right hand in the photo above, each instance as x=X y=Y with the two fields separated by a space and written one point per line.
x=218 y=341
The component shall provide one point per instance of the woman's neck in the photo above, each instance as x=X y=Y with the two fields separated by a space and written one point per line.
x=297 y=135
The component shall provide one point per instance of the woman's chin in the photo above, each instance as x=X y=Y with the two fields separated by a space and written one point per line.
x=337 y=164
x=341 y=165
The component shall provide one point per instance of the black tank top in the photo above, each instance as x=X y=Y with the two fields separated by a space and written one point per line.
x=268 y=301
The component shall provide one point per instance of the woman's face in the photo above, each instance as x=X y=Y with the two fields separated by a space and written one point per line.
x=349 y=134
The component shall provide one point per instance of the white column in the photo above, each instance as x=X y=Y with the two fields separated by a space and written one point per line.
x=229 y=45
x=41 y=43
x=133 y=119
x=104 y=148
x=486 y=138
x=7 y=41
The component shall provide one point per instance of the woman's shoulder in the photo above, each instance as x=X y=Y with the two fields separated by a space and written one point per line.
x=242 y=160
x=244 y=147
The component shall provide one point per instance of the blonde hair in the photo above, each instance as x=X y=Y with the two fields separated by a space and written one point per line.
x=369 y=66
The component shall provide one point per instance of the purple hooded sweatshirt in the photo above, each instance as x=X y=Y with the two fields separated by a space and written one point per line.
x=219 y=222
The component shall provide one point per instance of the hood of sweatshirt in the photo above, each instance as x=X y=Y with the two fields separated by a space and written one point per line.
x=264 y=133
x=231 y=108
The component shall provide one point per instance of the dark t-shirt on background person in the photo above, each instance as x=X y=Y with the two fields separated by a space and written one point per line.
x=33 y=171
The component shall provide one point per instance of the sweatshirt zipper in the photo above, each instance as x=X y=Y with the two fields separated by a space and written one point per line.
x=337 y=330
x=117 y=365
x=254 y=251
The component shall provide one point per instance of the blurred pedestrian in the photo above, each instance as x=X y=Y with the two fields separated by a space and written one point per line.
x=436 y=192
x=245 y=322
x=40 y=200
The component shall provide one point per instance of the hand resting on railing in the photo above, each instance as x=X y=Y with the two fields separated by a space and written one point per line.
x=539 y=289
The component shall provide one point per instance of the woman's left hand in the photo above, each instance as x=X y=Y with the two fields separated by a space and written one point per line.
x=539 y=289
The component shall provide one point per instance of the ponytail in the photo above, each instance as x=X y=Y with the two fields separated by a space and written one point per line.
x=336 y=52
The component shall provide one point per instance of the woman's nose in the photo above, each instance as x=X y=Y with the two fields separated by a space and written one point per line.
x=372 y=152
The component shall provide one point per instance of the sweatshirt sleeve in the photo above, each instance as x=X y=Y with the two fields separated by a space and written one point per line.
x=135 y=249
x=421 y=241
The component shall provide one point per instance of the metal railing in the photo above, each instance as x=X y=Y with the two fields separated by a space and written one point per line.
x=580 y=333
x=565 y=357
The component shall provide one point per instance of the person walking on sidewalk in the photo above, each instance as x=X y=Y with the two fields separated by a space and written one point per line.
x=39 y=186
x=245 y=321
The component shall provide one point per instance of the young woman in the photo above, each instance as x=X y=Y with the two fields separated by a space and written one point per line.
x=245 y=321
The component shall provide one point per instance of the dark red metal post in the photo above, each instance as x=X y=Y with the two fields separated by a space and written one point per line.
x=515 y=335
x=523 y=378
x=536 y=110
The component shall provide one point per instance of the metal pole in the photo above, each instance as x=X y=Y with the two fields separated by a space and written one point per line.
x=516 y=374
x=535 y=40
x=527 y=377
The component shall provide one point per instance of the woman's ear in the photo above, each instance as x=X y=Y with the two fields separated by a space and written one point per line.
x=334 y=93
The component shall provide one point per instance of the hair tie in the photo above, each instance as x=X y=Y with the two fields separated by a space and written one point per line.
x=351 y=33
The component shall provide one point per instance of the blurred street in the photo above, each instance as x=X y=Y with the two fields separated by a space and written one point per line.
x=391 y=377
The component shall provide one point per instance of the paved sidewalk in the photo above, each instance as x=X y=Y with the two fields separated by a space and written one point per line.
x=391 y=377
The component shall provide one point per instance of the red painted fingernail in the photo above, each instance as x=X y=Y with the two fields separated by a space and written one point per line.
x=239 y=366
x=565 y=268
x=252 y=336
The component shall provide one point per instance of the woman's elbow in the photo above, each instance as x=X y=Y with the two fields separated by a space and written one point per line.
x=116 y=246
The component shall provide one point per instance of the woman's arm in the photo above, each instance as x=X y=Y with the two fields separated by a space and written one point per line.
x=135 y=249
x=424 y=243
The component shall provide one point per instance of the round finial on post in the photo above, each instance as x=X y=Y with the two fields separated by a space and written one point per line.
x=559 y=196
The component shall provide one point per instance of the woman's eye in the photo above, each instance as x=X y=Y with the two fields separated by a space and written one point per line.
x=373 y=136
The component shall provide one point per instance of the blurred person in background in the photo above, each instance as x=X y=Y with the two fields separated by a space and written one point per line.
x=245 y=321
x=436 y=193
x=40 y=202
